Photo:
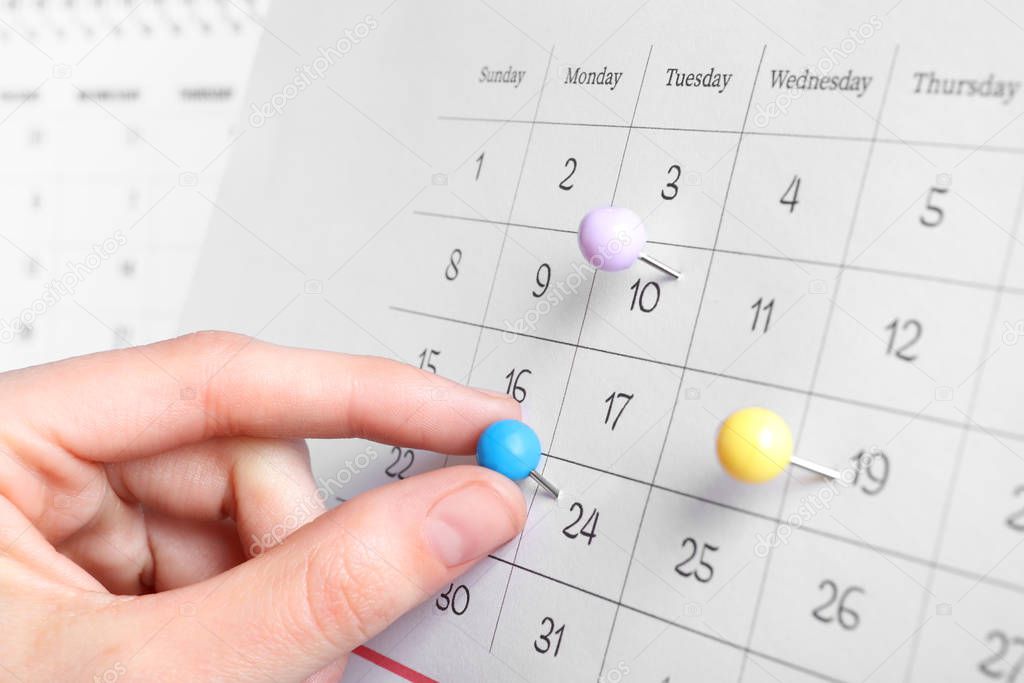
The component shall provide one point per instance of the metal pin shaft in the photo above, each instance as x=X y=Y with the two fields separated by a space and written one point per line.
x=545 y=484
x=660 y=266
x=827 y=472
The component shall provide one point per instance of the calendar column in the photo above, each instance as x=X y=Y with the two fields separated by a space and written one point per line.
x=969 y=222
x=457 y=226
x=798 y=193
x=813 y=587
x=688 y=581
x=454 y=231
x=915 y=291
x=28 y=205
x=573 y=558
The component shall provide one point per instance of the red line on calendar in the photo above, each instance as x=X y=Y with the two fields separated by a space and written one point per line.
x=388 y=664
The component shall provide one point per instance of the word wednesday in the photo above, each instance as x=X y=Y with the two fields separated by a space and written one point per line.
x=930 y=84
x=509 y=75
x=603 y=77
x=784 y=78
x=709 y=79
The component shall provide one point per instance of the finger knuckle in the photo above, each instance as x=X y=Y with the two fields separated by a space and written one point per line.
x=214 y=343
x=263 y=451
x=210 y=353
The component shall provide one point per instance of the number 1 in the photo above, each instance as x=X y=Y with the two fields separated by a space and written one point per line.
x=479 y=165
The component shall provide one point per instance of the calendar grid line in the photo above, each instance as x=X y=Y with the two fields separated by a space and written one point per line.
x=494 y=281
x=893 y=410
x=629 y=129
x=821 y=347
x=923 y=277
x=891 y=552
x=972 y=403
x=511 y=209
x=664 y=620
x=576 y=347
x=689 y=349
x=943 y=144
x=586 y=309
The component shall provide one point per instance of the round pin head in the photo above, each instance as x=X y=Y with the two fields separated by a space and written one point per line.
x=611 y=237
x=754 y=445
x=509 y=447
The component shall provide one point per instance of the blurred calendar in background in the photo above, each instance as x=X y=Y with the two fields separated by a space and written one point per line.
x=115 y=122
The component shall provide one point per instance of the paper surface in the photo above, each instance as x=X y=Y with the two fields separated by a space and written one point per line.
x=841 y=188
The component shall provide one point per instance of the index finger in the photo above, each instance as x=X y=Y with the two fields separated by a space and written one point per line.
x=133 y=402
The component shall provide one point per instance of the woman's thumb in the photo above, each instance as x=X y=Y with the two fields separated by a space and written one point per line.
x=332 y=584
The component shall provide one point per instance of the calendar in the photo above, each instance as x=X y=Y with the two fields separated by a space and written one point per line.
x=840 y=187
x=115 y=123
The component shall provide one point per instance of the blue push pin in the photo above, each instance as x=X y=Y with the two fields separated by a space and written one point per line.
x=513 y=449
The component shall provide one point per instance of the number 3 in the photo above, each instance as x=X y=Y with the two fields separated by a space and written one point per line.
x=671 y=189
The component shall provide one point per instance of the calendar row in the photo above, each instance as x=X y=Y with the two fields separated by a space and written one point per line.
x=660 y=571
x=914 y=346
x=116 y=143
x=617 y=431
x=945 y=214
x=710 y=80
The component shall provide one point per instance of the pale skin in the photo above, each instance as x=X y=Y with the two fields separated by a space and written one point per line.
x=159 y=519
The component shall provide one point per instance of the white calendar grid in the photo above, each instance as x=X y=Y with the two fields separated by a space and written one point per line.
x=929 y=564
x=950 y=578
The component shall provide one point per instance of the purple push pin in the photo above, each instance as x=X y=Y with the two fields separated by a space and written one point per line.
x=612 y=238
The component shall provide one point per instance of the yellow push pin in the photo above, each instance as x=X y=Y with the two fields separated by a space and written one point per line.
x=755 y=445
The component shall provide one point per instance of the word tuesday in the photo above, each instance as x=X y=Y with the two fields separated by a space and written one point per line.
x=709 y=79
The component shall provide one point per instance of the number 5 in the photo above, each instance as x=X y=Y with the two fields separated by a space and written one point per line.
x=933 y=215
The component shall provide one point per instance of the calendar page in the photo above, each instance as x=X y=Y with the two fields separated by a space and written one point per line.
x=840 y=188
x=115 y=121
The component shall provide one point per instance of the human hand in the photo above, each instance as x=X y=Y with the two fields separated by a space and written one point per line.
x=133 y=484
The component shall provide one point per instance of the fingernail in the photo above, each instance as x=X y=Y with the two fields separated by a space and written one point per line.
x=491 y=393
x=468 y=523
x=506 y=399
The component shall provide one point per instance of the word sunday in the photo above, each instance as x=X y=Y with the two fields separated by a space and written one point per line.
x=604 y=77
x=848 y=82
x=509 y=75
